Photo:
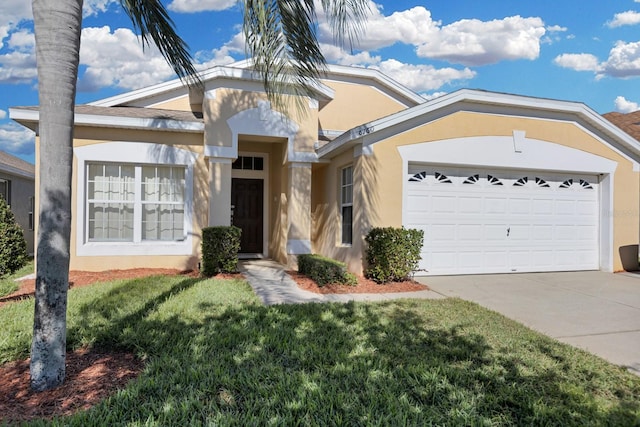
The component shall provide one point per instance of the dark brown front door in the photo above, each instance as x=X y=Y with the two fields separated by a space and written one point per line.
x=247 y=204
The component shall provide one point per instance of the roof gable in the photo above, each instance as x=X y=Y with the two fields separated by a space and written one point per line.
x=487 y=102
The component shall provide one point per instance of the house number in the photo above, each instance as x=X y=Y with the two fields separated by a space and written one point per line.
x=365 y=130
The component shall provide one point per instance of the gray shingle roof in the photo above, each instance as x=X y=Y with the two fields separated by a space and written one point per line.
x=11 y=163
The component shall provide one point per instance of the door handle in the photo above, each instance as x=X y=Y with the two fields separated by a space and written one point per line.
x=508 y=231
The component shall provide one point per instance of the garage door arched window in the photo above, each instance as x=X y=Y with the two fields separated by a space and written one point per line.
x=346 y=205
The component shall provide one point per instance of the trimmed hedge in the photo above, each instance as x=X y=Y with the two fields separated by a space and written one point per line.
x=325 y=270
x=13 y=246
x=220 y=247
x=392 y=254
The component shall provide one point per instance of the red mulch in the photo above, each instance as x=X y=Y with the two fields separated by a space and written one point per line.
x=364 y=286
x=92 y=375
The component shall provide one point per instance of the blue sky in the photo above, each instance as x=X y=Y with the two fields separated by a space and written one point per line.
x=577 y=50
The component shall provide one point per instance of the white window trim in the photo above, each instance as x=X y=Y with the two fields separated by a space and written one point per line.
x=342 y=205
x=133 y=153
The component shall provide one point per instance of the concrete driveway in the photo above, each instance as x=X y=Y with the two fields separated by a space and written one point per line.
x=596 y=311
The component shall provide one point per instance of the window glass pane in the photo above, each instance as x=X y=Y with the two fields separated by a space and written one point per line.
x=110 y=221
x=237 y=163
x=258 y=163
x=150 y=187
x=347 y=233
x=247 y=163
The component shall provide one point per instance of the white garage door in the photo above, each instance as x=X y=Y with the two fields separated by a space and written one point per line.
x=483 y=221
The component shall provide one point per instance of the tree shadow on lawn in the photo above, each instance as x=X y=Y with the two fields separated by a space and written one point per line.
x=393 y=363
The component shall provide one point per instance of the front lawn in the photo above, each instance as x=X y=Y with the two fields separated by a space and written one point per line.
x=8 y=283
x=216 y=356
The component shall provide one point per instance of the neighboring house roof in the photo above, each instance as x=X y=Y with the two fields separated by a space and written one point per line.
x=630 y=123
x=15 y=166
x=487 y=102
x=120 y=117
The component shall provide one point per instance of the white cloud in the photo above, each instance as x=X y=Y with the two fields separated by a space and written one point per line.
x=422 y=78
x=475 y=42
x=578 y=61
x=93 y=7
x=19 y=64
x=191 y=6
x=117 y=59
x=467 y=42
x=556 y=29
x=623 y=61
x=625 y=106
x=630 y=17
x=17 y=139
x=12 y=13
x=3 y=114
x=413 y=26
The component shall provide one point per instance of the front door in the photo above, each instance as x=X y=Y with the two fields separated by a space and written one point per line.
x=247 y=205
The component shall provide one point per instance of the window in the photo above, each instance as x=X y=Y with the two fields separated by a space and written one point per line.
x=32 y=208
x=248 y=163
x=133 y=203
x=5 y=190
x=346 y=204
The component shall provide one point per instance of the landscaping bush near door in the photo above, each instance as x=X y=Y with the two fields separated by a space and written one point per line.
x=220 y=247
x=392 y=254
x=325 y=270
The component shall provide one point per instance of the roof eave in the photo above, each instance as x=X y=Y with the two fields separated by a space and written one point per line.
x=31 y=118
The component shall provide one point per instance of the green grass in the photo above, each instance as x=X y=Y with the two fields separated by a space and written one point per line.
x=216 y=356
x=8 y=285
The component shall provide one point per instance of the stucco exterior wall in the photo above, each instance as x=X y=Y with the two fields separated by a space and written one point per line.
x=354 y=105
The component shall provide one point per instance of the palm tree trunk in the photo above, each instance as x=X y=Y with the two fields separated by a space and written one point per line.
x=57 y=26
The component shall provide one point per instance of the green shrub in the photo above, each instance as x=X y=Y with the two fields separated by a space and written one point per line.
x=325 y=270
x=392 y=254
x=13 y=247
x=220 y=247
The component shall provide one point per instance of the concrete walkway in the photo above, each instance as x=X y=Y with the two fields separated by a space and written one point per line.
x=592 y=310
x=273 y=286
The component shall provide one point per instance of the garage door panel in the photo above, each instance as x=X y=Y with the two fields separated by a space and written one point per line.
x=533 y=221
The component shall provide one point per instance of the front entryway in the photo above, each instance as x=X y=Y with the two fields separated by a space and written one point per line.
x=247 y=197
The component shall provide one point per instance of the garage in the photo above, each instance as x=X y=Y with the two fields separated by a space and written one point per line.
x=502 y=221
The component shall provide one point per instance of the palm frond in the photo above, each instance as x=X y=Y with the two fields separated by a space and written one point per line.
x=152 y=20
x=281 y=39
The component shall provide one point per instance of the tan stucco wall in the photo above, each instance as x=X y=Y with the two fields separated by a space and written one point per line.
x=355 y=104
x=229 y=102
x=180 y=104
x=382 y=175
x=326 y=216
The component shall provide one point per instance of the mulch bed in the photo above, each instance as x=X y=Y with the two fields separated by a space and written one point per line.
x=364 y=286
